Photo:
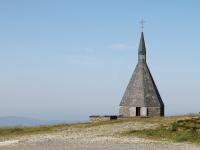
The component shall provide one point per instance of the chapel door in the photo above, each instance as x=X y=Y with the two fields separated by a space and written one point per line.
x=137 y=111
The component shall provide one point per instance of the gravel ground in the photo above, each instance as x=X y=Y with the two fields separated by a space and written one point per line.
x=94 y=138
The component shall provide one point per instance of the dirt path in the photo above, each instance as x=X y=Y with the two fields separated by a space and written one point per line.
x=94 y=138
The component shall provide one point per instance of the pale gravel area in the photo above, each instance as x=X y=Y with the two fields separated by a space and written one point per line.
x=102 y=137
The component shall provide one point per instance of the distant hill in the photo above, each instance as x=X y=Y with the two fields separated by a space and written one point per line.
x=23 y=121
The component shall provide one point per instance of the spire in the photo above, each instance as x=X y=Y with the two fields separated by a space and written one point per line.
x=142 y=49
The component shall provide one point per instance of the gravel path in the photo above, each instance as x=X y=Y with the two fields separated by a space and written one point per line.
x=94 y=138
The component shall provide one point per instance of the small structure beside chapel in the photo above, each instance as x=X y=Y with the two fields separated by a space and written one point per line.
x=97 y=118
x=141 y=97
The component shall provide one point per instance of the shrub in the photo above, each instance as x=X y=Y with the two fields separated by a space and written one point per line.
x=187 y=136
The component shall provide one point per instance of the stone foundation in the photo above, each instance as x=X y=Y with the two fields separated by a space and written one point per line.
x=126 y=111
x=155 y=111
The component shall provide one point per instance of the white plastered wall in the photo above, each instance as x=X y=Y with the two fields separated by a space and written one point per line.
x=132 y=111
x=143 y=111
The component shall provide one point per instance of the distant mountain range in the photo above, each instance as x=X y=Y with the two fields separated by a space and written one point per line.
x=10 y=121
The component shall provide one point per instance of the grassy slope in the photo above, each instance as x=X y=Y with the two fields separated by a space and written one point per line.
x=11 y=132
x=182 y=129
x=177 y=128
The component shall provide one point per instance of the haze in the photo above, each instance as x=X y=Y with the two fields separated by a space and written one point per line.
x=66 y=60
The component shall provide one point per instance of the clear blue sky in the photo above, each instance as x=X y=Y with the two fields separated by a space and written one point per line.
x=71 y=59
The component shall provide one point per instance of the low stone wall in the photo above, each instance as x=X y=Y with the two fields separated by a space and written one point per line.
x=102 y=118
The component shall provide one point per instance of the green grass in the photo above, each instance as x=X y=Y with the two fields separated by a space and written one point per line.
x=175 y=128
x=164 y=134
x=18 y=131
x=184 y=130
x=10 y=132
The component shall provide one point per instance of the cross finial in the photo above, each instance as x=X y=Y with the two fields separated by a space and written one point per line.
x=142 y=23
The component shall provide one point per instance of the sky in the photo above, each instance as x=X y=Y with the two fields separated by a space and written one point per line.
x=68 y=59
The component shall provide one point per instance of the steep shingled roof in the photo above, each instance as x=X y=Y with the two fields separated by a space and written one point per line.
x=141 y=90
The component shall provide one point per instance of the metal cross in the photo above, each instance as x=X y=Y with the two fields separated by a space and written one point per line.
x=142 y=22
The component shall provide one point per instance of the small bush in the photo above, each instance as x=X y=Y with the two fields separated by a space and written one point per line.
x=187 y=136
x=174 y=126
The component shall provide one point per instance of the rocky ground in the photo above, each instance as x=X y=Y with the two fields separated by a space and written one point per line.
x=101 y=137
